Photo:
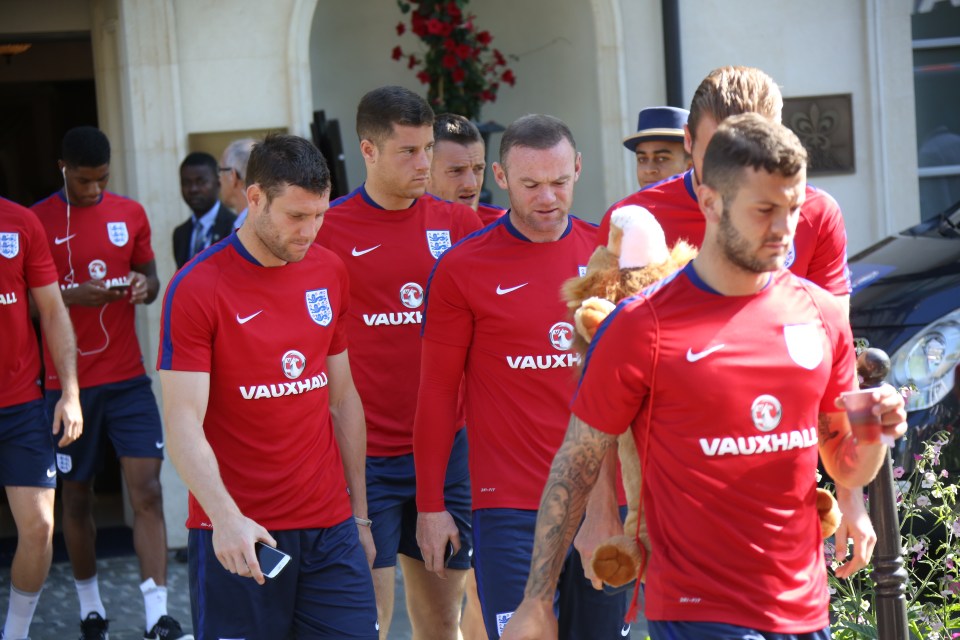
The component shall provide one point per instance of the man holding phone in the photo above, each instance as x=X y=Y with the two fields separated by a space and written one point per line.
x=263 y=420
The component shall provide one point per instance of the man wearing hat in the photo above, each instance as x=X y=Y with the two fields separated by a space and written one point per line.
x=658 y=144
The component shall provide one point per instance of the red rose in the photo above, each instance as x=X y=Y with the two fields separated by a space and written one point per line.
x=446 y=29
x=450 y=45
x=434 y=27
x=459 y=74
x=508 y=77
x=397 y=53
x=419 y=25
x=423 y=77
x=454 y=12
x=412 y=62
x=484 y=38
x=449 y=61
x=401 y=28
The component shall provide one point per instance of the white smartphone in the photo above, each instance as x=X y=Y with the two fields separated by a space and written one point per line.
x=272 y=561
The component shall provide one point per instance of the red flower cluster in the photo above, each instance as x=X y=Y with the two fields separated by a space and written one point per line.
x=460 y=67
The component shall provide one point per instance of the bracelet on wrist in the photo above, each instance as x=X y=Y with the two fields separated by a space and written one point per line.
x=363 y=522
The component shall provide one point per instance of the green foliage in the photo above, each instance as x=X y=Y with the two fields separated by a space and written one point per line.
x=930 y=541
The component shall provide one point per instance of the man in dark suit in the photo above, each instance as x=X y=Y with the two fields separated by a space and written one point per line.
x=211 y=219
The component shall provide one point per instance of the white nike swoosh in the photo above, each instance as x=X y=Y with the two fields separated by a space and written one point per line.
x=159 y=445
x=51 y=473
x=62 y=240
x=361 y=252
x=501 y=290
x=693 y=357
x=248 y=318
x=625 y=631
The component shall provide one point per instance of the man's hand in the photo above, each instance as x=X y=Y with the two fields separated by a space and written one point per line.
x=594 y=530
x=233 y=540
x=434 y=530
x=366 y=541
x=92 y=293
x=855 y=525
x=138 y=287
x=533 y=620
x=68 y=413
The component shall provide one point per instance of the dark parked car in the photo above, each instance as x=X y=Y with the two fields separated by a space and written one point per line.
x=906 y=301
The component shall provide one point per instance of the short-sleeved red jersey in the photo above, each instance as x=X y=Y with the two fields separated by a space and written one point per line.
x=498 y=294
x=389 y=255
x=264 y=334
x=819 y=250
x=25 y=264
x=489 y=213
x=736 y=384
x=103 y=241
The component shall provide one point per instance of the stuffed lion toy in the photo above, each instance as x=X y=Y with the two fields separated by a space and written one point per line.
x=635 y=257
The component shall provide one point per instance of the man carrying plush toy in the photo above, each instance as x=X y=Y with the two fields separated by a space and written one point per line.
x=727 y=372
x=495 y=319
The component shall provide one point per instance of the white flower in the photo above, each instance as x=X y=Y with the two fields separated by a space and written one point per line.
x=929 y=478
x=923 y=501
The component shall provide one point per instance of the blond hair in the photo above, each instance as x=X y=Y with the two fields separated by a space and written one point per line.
x=730 y=91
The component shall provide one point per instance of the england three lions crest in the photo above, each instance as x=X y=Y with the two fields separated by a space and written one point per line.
x=117 y=232
x=438 y=242
x=318 y=304
x=9 y=245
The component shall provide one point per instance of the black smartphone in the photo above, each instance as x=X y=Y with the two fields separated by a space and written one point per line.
x=272 y=561
x=121 y=286
x=448 y=554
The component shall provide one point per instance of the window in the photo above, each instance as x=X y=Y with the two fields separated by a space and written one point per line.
x=936 y=81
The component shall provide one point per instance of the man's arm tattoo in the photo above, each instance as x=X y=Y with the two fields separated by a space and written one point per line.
x=574 y=472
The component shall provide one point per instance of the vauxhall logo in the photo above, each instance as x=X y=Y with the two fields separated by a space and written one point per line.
x=560 y=337
x=292 y=363
x=411 y=297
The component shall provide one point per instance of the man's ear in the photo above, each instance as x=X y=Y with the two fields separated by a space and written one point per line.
x=711 y=203
x=576 y=167
x=500 y=175
x=369 y=151
x=688 y=141
x=256 y=198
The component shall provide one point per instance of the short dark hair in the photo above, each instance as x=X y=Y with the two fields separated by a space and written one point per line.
x=85 y=147
x=534 y=131
x=379 y=110
x=454 y=128
x=754 y=141
x=201 y=159
x=283 y=160
x=730 y=91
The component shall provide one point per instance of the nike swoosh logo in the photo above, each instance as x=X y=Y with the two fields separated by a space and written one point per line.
x=693 y=357
x=158 y=444
x=625 y=631
x=248 y=318
x=363 y=251
x=51 y=473
x=59 y=241
x=501 y=290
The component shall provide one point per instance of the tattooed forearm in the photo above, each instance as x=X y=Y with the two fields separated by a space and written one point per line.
x=574 y=471
x=824 y=424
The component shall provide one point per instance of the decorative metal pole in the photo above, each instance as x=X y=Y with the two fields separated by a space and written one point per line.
x=888 y=572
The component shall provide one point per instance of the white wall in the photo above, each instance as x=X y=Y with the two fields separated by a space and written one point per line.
x=826 y=47
x=555 y=67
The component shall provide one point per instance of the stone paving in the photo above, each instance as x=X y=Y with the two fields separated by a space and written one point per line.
x=57 y=617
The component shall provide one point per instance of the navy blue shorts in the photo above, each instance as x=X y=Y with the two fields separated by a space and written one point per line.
x=504 y=545
x=26 y=446
x=325 y=591
x=673 y=630
x=392 y=505
x=126 y=412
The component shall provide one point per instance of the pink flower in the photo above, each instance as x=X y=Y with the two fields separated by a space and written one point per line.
x=898 y=472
